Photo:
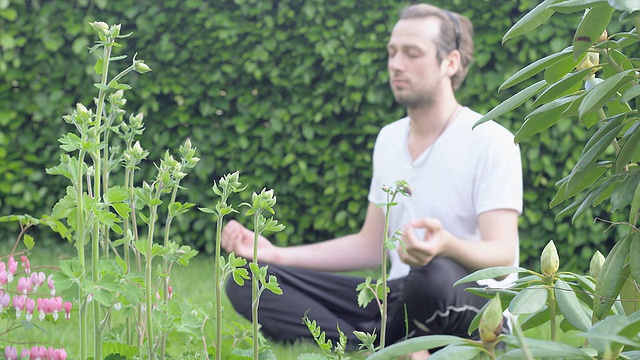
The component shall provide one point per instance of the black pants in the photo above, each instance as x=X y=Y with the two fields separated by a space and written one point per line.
x=433 y=305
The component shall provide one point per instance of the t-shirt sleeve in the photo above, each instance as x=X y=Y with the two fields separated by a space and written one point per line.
x=498 y=182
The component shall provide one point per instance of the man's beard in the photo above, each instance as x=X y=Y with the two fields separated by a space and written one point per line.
x=413 y=100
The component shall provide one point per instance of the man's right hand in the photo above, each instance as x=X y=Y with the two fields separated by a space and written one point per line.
x=238 y=239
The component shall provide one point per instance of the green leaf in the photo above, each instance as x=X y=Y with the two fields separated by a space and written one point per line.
x=630 y=93
x=543 y=117
x=116 y=194
x=571 y=307
x=625 y=5
x=512 y=102
x=558 y=70
x=536 y=319
x=534 y=68
x=567 y=86
x=531 y=20
x=570 y=6
x=630 y=148
x=490 y=273
x=579 y=180
x=592 y=25
x=28 y=241
x=415 y=344
x=530 y=300
x=610 y=279
x=602 y=93
x=623 y=193
x=599 y=142
x=547 y=349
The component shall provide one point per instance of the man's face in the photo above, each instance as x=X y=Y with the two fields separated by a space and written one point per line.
x=415 y=74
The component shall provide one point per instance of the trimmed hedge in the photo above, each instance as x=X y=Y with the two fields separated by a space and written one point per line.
x=292 y=93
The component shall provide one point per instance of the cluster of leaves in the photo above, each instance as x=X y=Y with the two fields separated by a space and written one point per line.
x=267 y=87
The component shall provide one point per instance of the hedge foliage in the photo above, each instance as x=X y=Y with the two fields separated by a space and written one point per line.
x=292 y=93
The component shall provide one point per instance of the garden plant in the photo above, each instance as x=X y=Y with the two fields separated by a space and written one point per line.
x=592 y=83
x=122 y=287
x=118 y=286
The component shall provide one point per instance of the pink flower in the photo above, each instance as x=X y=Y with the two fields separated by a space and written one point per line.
x=5 y=300
x=38 y=352
x=13 y=267
x=67 y=310
x=26 y=265
x=11 y=353
x=25 y=353
x=57 y=354
x=24 y=285
x=51 y=284
x=30 y=305
x=19 y=303
x=170 y=291
x=4 y=277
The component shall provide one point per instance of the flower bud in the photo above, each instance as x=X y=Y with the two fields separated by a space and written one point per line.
x=549 y=261
x=603 y=36
x=596 y=264
x=100 y=27
x=491 y=321
x=115 y=30
x=141 y=67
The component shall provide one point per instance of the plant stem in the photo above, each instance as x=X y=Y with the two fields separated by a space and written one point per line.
x=552 y=310
x=218 y=289
x=147 y=282
x=80 y=240
x=254 y=284
x=383 y=309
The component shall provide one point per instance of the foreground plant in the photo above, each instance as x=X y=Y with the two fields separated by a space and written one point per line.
x=227 y=185
x=379 y=290
x=110 y=219
x=264 y=201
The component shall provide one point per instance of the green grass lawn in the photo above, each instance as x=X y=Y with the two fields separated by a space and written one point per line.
x=194 y=282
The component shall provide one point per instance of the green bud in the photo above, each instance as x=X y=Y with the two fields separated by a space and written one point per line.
x=549 y=261
x=100 y=27
x=136 y=121
x=491 y=321
x=141 y=67
x=115 y=30
x=596 y=264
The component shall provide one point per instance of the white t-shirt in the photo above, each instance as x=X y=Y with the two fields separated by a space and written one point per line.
x=464 y=173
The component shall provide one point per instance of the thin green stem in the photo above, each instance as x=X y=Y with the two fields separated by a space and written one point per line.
x=148 y=277
x=383 y=309
x=80 y=240
x=170 y=217
x=218 y=289
x=254 y=284
x=552 y=310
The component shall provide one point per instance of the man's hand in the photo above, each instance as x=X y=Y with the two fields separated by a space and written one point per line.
x=419 y=251
x=238 y=239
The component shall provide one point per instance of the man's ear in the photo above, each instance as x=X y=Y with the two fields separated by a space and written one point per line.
x=452 y=63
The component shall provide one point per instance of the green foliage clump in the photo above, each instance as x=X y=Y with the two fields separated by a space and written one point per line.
x=290 y=93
